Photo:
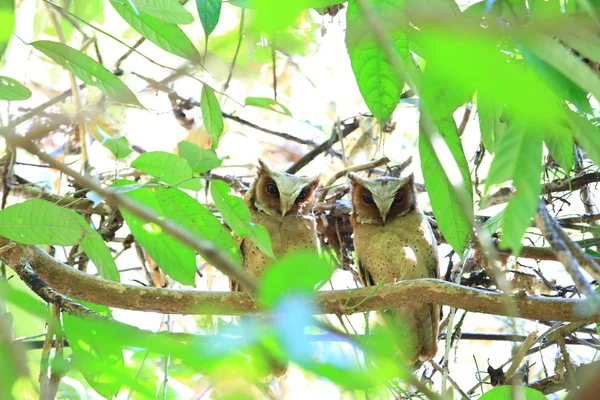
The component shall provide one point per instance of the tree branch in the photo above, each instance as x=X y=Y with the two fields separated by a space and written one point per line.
x=69 y=281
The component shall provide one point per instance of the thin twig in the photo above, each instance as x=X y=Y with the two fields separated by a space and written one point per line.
x=82 y=125
x=346 y=128
x=354 y=168
x=550 y=231
x=437 y=367
x=237 y=50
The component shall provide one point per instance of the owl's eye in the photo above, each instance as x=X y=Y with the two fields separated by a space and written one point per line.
x=399 y=198
x=367 y=199
x=301 y=196
x=272 y=189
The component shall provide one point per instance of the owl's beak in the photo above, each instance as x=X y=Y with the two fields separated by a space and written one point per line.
x=286 y=204
x=383 y=215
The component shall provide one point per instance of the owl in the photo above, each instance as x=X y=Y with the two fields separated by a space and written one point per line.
x=282 y=203
x=393 y=242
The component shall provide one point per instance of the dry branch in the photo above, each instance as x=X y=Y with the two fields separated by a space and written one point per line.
x=69 y=281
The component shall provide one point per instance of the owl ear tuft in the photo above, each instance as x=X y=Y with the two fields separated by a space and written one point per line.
x=354 y=178
x=263 y=165
x=410 y=179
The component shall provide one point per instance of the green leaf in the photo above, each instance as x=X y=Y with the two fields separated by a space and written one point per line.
x=38 y=222
x=268 y=104
x=518 y=157
x=170 y=168
x=561 y=58
x=378 y=82
x=209 y=12
x=559 y=142
x=174 y=258
x=95 y=353
x=199 y=159
x=119 y=146
x=585 y=41
x=211 y=115
x=556 y=81
x=444 y=201
x=7 y=23
x=11 y=89
x=494 y=222
x=186 y=210
x=289 y=276
x=492 y=121
x=587 y=135
x=96 y=249
x=166 y=35
x=165 y=10
x=236 y=214
x=88 y=70
x=506 y=393
x=441 y=94
x=544 y=9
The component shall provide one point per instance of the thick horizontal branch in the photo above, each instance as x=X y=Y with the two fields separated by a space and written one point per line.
x=74 y=283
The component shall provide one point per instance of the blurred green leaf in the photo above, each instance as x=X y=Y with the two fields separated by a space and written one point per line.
x=543 y=8
x=166 y=35
x=295 y=274
x=175 y=259
x=118 y=146
x=11 y=89
x=506 y=393
x=561 y=147
x=587 y=135
x=209 y=12
x=378 y=82
x=236 y=214
x=88 y=70
x=95 y=352
x=165 y=10
x=518 y=157
x=561 y=58
x=89 y=10
x=23 y=299
x=444 y=202
x=199 y=159
x=562 y=86
x=441 y=94
x=170 y=168
x=7 y=23
x=12 y=357
x=492 y=121
x=211 y=114
x=268 y=104
x=37 y=222
x=190 y=213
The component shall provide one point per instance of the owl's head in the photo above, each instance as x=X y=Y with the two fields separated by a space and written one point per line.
x=382 y=199
x=279 y=194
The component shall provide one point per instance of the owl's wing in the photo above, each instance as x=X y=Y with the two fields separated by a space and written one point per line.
x=233 y=285
x=365 y=275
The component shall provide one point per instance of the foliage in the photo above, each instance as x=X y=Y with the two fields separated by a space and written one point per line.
x=530 y=69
